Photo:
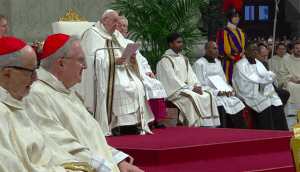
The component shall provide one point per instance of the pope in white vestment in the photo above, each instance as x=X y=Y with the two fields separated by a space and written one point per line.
x=175 y=73
x=121 y=98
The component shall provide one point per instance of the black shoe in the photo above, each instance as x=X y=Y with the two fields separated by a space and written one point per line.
x=116 y=131
x=157 y=125
x=131 y=129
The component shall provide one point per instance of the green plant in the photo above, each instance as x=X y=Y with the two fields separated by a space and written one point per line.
x=151 y=21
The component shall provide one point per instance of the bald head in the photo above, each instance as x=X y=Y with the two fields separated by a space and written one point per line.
x=262 y=53
x=211 y=49
x=110 y=20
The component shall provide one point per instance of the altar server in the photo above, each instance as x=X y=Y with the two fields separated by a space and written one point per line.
x=253 y=85
x=230 y=107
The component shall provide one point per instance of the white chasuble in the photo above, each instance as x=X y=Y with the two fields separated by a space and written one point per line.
x=120 y=98
x=24 y=147
x=253 y=84
x=178 y=78
x=60 y=113
x=290 y=68
x=153 y=87
x=203 y=69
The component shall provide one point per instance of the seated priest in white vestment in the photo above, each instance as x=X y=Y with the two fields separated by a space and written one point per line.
x=23 y=146
x=155 y=91
x=197 y=106
x=210 y=74
x=58 y=110
x=120 y=103
x=253 y=85
x=275 y=62
x=289 y=78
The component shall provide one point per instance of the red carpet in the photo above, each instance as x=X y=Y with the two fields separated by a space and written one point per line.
x=205 y=149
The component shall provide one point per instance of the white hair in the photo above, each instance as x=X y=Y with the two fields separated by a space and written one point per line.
x=107 y=13
x=11 y=59
x=63 y=52
x=124 y=18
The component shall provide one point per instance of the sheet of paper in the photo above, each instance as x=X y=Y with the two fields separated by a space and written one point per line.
x=130 y=49
x=219 y=83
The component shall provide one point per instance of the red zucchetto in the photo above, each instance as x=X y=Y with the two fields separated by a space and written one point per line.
x=11 y=44
x=53 y=43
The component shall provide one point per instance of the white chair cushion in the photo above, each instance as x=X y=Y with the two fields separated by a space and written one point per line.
x=71 y=28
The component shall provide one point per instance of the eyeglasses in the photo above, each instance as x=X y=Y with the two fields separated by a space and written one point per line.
x=80 y=60
x=21 y=68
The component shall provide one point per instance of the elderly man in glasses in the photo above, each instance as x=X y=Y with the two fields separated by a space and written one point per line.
x=58 y=110
x=24 y=147
x=121 y=104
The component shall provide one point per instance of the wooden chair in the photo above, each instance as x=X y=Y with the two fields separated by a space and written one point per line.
x=173 y=115
x=295 y=144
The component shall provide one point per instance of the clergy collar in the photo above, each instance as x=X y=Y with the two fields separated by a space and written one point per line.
x=231 y=25
x=8 y=100
x=52 y=81
x=250 y=60
x=171 y=52
x=210 y=60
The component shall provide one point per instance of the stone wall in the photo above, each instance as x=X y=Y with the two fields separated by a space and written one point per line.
x=32 y=19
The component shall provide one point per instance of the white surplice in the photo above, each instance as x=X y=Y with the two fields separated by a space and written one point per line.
x=178 y=78
x=203 y=69
x=247 y=79
x=290 y=68
x=22 y=139
x=60 y=113
x=153 y=87
x=130 y=105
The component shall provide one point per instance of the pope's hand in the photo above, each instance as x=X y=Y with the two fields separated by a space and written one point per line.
x=126 y=167
x=294 y=80
x=198 y=89
x=133 y=59
x=150 y=74
x=120 y=60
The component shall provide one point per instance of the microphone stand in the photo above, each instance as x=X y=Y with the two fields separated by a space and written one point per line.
x=275 y=22
x=95 y=78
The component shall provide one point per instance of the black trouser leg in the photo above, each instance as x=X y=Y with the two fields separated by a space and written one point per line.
x=263 y=119
x=222 y=116
x=283 y=94
x=279 y=118
x=239 y=120
x=231 y=121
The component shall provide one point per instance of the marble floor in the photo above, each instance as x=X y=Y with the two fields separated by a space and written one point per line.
x=291 y=120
